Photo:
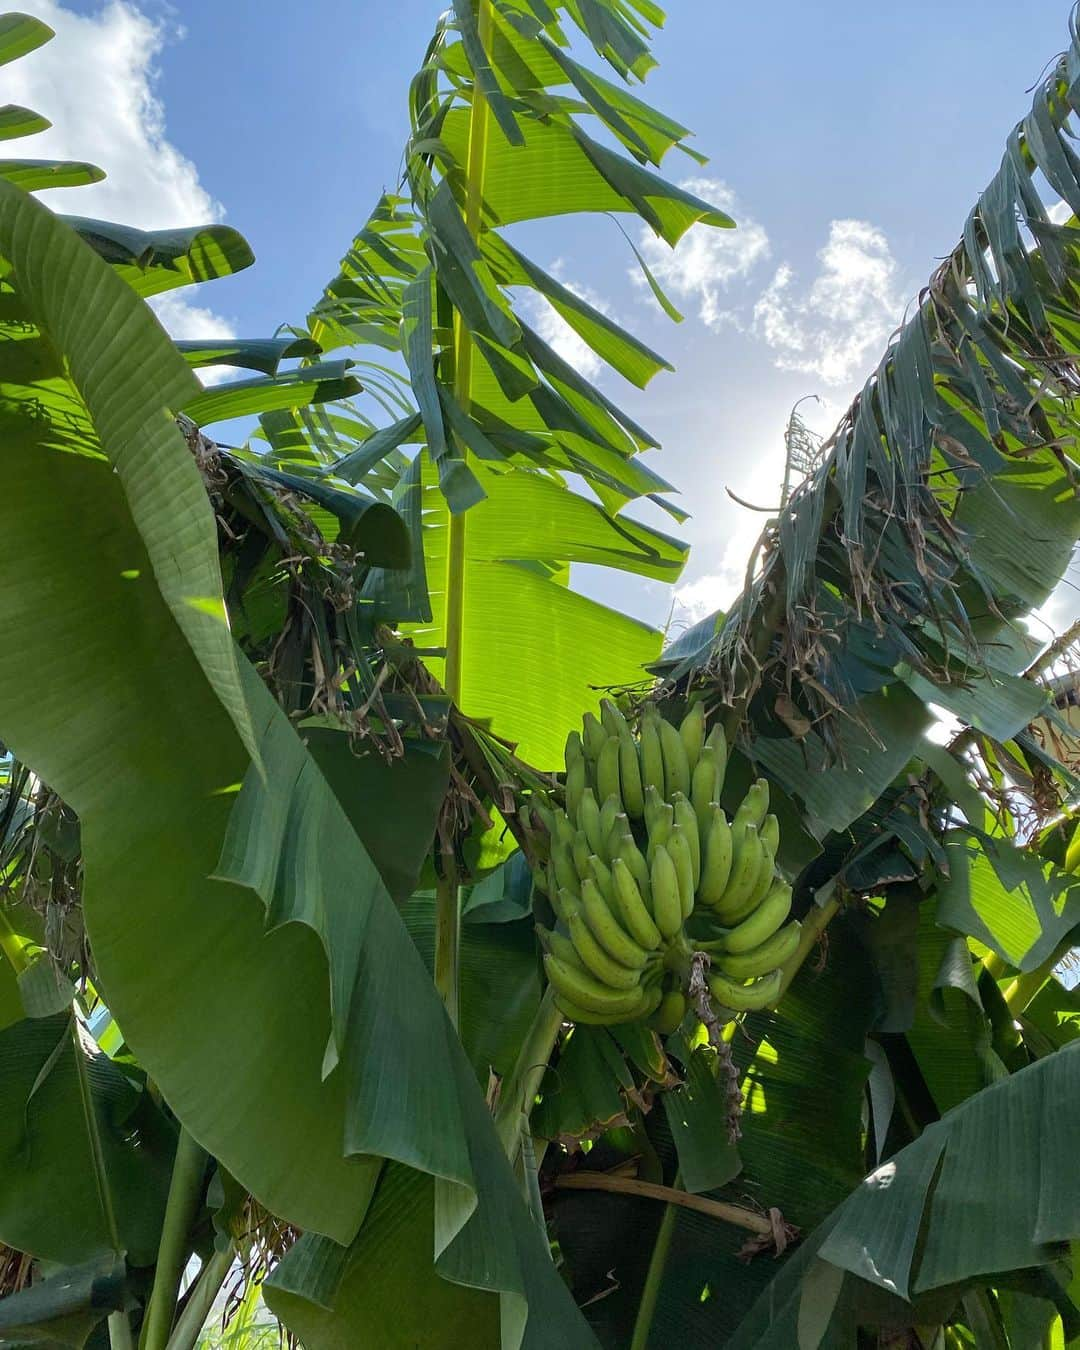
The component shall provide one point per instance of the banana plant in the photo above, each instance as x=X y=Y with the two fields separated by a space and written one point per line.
x=220 y=947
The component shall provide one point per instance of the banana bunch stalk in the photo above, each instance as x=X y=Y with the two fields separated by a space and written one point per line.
x=639 y=848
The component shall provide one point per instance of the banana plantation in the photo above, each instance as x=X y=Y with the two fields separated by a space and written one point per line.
x=399 y=948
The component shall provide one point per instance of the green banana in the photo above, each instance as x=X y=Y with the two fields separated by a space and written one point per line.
x=766 y=876
x=589 y=994
x=769 y=834
x=633 y=857
x=654 y=805
x=553 y=891
x=773 y=952
x=661 y=830
x=575 y=786
x=669 y=1015
x=745 y=868
x=607 y=771
x=764 y=921
x=717 y=742
x=705 y=787
x=601 y=874
x=609 y=813
x=588 y=818
x=716 y=864
x=581 y=852
x=607 y=930
x=611 y=718
x=633 y=793
x=755 y=804
x=692 y=731
x=620 y=826
x=572 y=1013
x=653 y=995
x=574 y=749
x=686 y=820
x=732 y=913
x=611 y=973
x=561 y=947
x=562 y=829
x=744 y=997
x=678 y=846
x=652 y=757
x=593 y=737
x=631 y=907
x=676 y=763
x=566 y=875
x=666 y=902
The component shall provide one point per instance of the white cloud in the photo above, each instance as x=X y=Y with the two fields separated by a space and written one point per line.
x=706 y=260
x=95 y=81
x=558 y=334
x=182 y=320
x=852 y=305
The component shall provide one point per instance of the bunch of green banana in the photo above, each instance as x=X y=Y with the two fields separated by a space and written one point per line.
x=639 y=844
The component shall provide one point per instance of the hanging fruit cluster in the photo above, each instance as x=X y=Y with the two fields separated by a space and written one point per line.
x=646 y=876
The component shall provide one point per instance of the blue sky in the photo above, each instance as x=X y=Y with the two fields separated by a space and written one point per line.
x=848 y=140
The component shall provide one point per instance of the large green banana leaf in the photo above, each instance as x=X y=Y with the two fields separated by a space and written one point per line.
x=527 y=624
x=991 y=1188
x=232 y=1022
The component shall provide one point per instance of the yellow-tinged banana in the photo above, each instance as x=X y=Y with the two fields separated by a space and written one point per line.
x=575 y=786
x=764 y=921
x=754 y=805
x=581 y=852
x=609 y=813
x=593 y=737
x=676 y=764
x=587 y=993
x=574 y=748
x=692 y=731
x=601 y=874
x=669 y=1015
x=609 y=972
x=744 y=997
x=716 y=864
x=666 y=902
x=631 y=906
x=745 y=868
x=633 y=792
x=661 y=829
x=773 y=952
x=769 y=834
x=607 y=930
x=686 y=820
x=611 y=718
x=678 y=846
x=633 y=857
x=717 y=743
x=588 y=818
x=607 y=771
x=652 y=757
x=705 y=787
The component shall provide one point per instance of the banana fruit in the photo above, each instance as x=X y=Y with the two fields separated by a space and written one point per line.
x=640 y=846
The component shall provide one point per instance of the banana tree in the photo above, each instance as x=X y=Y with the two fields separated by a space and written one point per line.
x=219 y=900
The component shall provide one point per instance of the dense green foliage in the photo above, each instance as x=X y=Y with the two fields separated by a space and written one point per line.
x=282 y=726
